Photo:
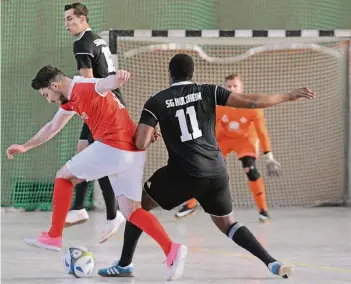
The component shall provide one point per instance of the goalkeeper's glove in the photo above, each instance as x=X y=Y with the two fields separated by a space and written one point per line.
x=272 y=165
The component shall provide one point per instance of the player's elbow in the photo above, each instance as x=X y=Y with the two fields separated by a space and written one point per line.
x=143 y=136
x=141 y=143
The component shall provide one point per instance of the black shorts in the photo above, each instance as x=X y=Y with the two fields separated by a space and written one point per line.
x=85 y=134
x=169 y=189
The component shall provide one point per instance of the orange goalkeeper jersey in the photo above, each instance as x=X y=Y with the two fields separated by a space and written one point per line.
x=239 y=123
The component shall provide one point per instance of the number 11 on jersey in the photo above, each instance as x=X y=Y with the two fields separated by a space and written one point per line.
x=109 y=61
x=186 y=135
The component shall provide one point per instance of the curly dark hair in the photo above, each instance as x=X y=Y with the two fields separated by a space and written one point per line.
x=46 y=76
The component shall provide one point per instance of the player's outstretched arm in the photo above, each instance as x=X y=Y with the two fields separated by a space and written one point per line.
x=112 y=82
x=147 y=131
x=264 y=101
x=47 y=132
x=144 y=136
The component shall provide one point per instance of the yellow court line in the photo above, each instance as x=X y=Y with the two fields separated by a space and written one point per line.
x=249 y=256
x=323 y=267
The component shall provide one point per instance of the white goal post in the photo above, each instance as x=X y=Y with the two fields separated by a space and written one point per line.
x=317 y=174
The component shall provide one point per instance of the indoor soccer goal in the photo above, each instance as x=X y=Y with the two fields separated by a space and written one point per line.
x=310 y=138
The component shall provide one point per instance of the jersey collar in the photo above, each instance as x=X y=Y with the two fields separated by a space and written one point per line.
x=75 y=78
x=82 y=33
x=182 y=83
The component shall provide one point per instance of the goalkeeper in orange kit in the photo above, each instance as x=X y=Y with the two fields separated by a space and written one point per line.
x=241 y=131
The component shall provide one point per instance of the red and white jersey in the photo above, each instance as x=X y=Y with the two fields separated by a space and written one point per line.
x=106 y=116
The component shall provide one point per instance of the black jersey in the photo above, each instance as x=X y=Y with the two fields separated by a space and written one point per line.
x=92 y=52
x=186 y=113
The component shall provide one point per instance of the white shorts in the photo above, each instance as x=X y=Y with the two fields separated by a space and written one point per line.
x=124 y=168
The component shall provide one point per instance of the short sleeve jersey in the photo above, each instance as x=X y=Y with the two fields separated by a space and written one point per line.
x=91 y=51
x=186 y=113
x=106 y=117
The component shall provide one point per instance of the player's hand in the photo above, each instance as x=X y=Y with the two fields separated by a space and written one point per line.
x=122 y=77
x=157 y=134
x=272 y=165
x=302 y=93
x=14 y=150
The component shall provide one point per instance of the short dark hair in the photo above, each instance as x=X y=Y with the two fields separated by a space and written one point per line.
x=79 y=9
x=232 y=77
x=181 y=67
x=46 y=76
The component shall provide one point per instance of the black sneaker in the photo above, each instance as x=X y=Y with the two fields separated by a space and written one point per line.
x=185 y=211
x=263 y=216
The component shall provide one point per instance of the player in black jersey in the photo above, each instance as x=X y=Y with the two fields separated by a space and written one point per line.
x=196 y=167
x=93 y=58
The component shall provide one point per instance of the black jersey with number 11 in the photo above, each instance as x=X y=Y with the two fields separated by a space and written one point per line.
x=186 y=113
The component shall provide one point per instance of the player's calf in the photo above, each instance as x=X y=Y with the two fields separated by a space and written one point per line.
x=147 y=222
x=62 y=197
x=243 y=237
x=256 y=185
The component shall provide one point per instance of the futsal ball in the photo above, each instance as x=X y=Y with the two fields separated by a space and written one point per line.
x=78 y=261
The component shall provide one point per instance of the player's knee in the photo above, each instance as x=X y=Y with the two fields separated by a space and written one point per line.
x=250 y=169
x=252 y=173
x=127 y=206
x=126 y=212
x=81 y=145
x=223 y=223
x=65 y=173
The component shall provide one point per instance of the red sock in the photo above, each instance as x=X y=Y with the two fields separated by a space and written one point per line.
x=63 y=191
x=151 y=226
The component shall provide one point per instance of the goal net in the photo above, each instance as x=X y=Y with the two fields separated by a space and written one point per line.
x=309 y=138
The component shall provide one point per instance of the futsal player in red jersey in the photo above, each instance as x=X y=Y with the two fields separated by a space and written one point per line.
x=113 y=154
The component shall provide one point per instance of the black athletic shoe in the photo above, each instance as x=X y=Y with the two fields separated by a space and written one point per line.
x=185 y=211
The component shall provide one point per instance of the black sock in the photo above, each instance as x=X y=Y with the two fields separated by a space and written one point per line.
x=244 y=238
x=81 y=192
x=109 y=197
x=131 y=236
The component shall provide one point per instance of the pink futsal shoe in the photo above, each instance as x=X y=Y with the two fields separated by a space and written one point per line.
x=45 y=241
x=175 y=261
